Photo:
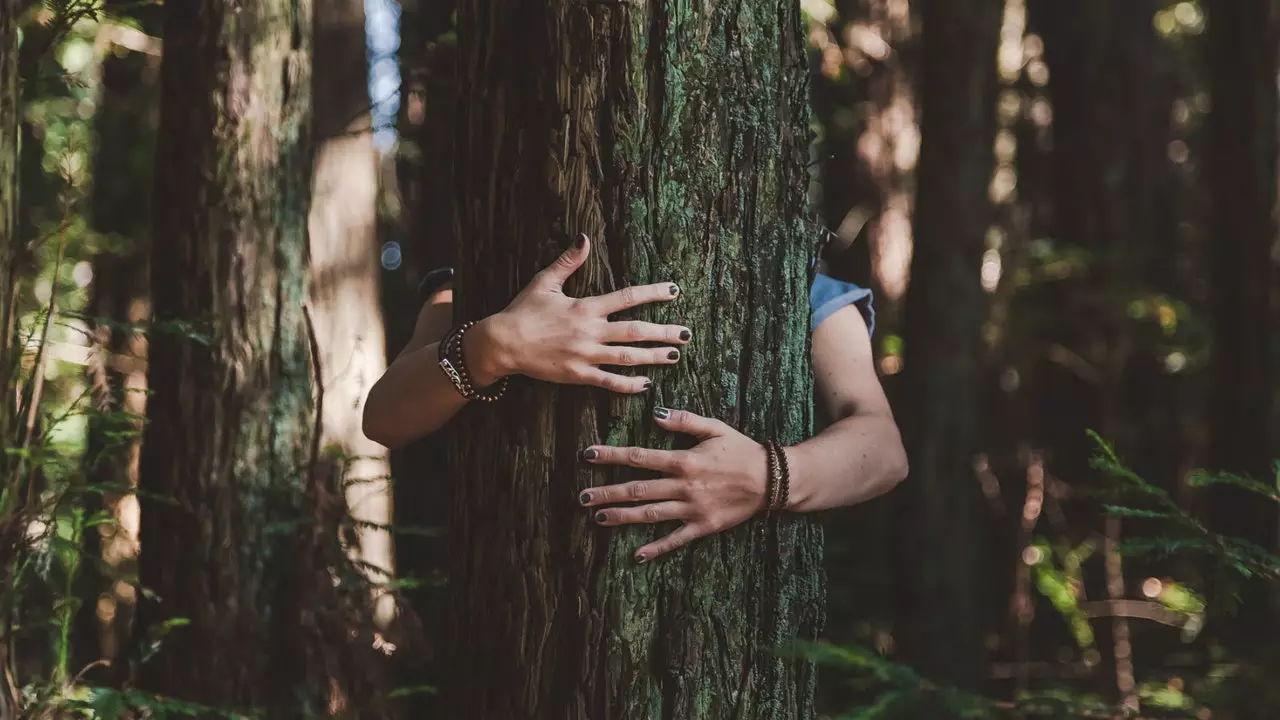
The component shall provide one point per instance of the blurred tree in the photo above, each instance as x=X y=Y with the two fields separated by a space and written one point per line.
x=344 y=270
x=9 y=119
x=238 y=525
x=941 y=587
x=1243 y=37
x=676 y=136
x=125 y=126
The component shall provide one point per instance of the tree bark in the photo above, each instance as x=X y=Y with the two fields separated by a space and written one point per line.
x=125 y=123
x=1243 y=148
x=9 y=123
x=941 y=600
x=676 y=136
x=345 y=304
x=240 y=538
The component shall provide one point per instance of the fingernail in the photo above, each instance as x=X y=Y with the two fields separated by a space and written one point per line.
x=600 y=517
x=641 y=559
x=685 y=336
x=590 y=454
x=584 y=498
x=661 y=413
x=675 y=289
x=581 y=241
x=648 y=384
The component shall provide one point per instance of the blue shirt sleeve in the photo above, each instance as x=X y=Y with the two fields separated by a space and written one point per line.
x=829 y=295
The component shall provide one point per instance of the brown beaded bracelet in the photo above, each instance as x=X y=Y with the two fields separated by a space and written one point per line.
x=779 y=492
x=455 y=368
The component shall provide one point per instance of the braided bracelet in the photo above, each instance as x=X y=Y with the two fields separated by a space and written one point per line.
x=771 y=478
x=455 y=368
x=779 y=486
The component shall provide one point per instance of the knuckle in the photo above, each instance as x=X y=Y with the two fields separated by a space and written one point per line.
x=652 y=515
x=635 y=330
x=636 y=455
x=628 y=296
x=564 y=261
x=627 y=357
x=640 y=490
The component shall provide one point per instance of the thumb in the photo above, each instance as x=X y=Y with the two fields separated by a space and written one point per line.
x=555 y=275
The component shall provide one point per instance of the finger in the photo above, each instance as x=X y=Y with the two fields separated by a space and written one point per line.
x=664 y=461
x=629 y=297
x=683 y=421
x=554 y=275
x=642 y=514
x=613 y=382
x=632 y=356
x=634 y=331
x=638 y=491
x=686 y=534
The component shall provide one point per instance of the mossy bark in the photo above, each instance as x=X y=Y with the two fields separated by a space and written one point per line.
x=675 y=135
x=237 y=532
x=941 y=616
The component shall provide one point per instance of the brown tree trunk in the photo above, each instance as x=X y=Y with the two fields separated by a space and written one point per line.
x=126 y=122
x=238 y=530
x=345 y=307
x=941 y=600
x=676 y=135
x=9 y=119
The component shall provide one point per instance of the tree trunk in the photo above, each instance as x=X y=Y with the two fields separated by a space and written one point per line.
x=345 y=305
x=9 y=119
x=675 y=135
x=125 y=128
x=241 y=541
x=1242 y=43
x=941 y=600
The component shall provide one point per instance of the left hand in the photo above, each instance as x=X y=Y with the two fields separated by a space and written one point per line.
x=712 y=487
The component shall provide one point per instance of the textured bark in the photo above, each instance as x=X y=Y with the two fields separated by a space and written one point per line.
x=242 y=546
x=345 y=307
x=1242 y=158
x=676 y=135
x=125 y=123
x=940 y=599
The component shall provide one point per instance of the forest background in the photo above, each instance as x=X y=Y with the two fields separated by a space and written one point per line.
x=1090 y=528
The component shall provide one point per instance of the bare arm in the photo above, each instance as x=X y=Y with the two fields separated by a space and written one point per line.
x=542 y=334
x=859 y=455
x=721 y=482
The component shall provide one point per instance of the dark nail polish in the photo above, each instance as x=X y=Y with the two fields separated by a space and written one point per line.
x=675 y=289
x=661 y=413
x=590 y=454
x=685 y=336
x=584 y=498
x=641 y=559
x=600 y=517
x=673 y=355
x=648 y=384
x=581 y=241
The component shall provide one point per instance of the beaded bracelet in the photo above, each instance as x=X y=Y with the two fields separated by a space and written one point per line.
x=455 y=367
x=778 y=491
x=771 y=478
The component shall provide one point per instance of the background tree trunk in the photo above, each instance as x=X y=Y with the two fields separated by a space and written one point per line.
x=942 y=619
x=9 y=120
x=121 y=205
x=345 y=305
x=676 y=135
x=243 y=547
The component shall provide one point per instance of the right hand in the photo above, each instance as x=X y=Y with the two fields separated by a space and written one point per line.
x=546 y=335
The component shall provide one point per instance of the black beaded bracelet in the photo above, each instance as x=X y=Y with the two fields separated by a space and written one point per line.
x=771 y=478
x=455 y=368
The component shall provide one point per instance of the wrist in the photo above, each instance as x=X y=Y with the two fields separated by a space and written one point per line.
x=797 y=461
x=487 y=352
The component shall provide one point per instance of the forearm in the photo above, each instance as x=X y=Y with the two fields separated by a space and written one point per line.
x=852 y=461
x=415 y=398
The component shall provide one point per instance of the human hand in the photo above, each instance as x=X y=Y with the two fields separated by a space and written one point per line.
x=712 y=487
x=546 y=335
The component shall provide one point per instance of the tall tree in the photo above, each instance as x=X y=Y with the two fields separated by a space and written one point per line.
x=9 y=119
x=121 y=202
x=942 y=619
x=238 y=539
x=344 y=275
x=676 y=135
x=1243 y=37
